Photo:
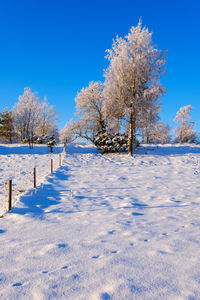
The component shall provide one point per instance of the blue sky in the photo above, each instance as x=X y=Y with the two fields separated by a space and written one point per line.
x=56 y=47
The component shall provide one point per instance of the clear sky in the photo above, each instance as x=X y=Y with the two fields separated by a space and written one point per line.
x=56 y=47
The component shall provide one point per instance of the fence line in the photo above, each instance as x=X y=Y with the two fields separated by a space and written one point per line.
x=13 y=193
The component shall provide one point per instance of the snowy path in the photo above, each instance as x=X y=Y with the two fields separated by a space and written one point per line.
x=107 y=227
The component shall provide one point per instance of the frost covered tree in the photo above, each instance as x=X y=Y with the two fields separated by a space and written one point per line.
x=27 y=115
x=48 y=119
x=89 y=104
x=132 y=77
x=66 y=135
x=6 y=125
x=184 y=131
x=148 y=116
x=160 y=133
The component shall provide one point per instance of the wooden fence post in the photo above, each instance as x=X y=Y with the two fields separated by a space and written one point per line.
x=34 y=177
x=9 y=195
x=59 y=159
x=51 y=165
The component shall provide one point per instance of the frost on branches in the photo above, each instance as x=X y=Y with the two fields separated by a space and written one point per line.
x=184 y=131
x=112 y=115
x=132 y=83
x=93 y=124
x=89 y=103
x=33 y=120
x=67 y=134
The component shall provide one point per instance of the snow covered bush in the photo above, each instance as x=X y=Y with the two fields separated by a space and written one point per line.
x=108 y=142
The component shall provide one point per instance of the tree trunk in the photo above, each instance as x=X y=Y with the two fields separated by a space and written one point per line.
x=130 y=137
x=10 y=138
x=134 y=129
x=147 y=138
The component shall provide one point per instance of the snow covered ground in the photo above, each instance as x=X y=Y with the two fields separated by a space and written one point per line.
x=107 y=227
x=17 y=163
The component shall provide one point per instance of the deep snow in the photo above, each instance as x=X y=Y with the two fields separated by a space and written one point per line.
x=107 y=227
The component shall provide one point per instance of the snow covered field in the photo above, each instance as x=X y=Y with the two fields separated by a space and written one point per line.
x=106 y=227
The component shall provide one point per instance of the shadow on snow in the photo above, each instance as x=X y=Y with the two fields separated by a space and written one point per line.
x=36 y=202
x=25 y=150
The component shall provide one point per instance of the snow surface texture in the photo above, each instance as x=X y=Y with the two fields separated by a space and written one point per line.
x=107 y=227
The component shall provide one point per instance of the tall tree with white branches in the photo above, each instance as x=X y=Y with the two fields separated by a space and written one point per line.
x=134 y=71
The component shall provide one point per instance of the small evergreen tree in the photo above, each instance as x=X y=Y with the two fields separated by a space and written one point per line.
x=6 y=125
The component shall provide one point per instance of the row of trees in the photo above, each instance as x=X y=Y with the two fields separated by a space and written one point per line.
x=115 y=114
x=30 y=120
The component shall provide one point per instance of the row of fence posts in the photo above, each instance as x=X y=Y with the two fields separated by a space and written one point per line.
x=34 y=182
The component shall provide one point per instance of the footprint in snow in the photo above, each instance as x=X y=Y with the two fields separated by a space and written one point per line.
x=75 y=276
x=95 y=256
x=111 y=231
x=123 y=178
x=137 y=214
x=17 y=284
x=62 y=245
x=64 y=267
x=163 y=252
